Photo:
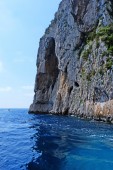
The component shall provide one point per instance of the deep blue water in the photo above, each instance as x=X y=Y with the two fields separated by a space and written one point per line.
x=47 y=142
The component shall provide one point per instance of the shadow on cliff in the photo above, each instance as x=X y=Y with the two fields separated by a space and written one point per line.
x=53 y=142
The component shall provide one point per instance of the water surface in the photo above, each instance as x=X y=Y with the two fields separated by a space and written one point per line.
x=47 y=142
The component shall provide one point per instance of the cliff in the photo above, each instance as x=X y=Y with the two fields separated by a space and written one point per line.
x=75 y=61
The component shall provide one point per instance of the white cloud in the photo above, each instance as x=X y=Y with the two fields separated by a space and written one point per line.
x=5 y=89
x=28 y=87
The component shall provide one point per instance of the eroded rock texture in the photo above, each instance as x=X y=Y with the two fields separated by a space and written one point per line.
x=75 y=61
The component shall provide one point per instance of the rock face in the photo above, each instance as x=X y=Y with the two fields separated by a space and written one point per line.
x=75 y=61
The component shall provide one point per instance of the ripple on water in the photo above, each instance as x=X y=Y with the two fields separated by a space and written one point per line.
x=46 y=142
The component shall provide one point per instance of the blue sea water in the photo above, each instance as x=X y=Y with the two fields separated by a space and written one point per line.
x=49 y=142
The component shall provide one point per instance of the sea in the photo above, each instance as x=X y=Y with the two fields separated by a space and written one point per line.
x=51 y=142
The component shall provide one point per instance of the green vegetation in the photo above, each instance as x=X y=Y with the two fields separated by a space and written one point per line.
x=91 y=36
x=101 y=71
x=97 y=43
x=106 y=34
x=109 y=63
x=105 y=30
x=88 y=77
x=105 y=53
x=93 y=73
x=83 y=71
x=87 y=52
x=110 y=50
x=81 y=101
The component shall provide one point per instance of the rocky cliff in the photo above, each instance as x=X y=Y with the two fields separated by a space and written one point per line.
x=75 y=61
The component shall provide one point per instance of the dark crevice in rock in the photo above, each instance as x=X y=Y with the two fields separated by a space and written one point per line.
x=41 y=102
x=81 y=43
x=66 y=112
x=51 y=61
x=76 y=84
x=66 y=68
x=44 y=90
x=70 y=89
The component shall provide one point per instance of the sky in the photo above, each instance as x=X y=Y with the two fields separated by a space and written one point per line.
x=22 y=24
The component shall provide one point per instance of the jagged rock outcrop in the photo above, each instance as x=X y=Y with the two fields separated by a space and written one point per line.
x=75 y=61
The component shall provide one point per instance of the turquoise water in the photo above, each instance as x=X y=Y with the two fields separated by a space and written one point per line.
x=46 y=142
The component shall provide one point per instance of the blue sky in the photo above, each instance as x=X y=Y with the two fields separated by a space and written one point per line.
x=22 y=23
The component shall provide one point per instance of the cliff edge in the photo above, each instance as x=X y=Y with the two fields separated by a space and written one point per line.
x=75 y=61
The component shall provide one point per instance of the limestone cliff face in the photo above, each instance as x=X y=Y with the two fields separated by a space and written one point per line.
x=75 y=61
